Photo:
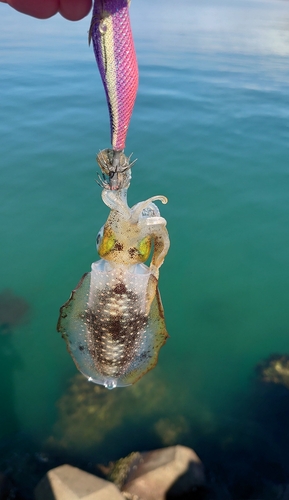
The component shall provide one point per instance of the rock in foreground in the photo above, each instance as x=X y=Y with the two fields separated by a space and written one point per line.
x=161 y=474
x=70 y=483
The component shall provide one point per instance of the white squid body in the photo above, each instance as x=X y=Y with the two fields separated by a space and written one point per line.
x=113 y=322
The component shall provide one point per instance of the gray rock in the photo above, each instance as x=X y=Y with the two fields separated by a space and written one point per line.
x=70 y=483
x=166 y=472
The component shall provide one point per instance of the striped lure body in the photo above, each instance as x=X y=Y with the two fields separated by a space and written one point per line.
x=113 y=322
x=114 y=50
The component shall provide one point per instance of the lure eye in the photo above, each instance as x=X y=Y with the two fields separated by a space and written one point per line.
x=99 y=237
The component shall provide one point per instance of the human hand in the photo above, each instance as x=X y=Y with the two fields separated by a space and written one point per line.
x=74 y=10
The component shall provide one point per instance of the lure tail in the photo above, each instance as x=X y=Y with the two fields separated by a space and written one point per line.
x=110 y=32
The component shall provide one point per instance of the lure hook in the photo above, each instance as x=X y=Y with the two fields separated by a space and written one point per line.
x=115 y=168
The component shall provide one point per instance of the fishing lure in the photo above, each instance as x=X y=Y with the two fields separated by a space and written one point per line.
x=110 y=32
x=113 y=322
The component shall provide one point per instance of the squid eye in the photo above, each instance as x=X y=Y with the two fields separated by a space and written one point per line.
x=99 y=237
x=145 y=248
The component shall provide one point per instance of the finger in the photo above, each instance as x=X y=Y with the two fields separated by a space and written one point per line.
x=34 y=8
x=74 y=10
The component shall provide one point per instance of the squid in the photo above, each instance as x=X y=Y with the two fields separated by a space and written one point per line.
x=113 y=322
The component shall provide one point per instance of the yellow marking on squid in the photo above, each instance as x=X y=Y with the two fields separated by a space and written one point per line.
x=145 y=247
x=107 y=242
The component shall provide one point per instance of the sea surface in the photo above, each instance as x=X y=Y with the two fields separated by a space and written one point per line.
x=210 y=131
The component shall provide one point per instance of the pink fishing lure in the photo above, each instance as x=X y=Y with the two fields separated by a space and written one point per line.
x=110 y=32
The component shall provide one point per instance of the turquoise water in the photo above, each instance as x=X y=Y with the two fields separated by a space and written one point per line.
x=210 y=131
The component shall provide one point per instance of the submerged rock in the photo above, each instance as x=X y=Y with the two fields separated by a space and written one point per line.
x=13 y=311
x=269 y=406
x=274 y=369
